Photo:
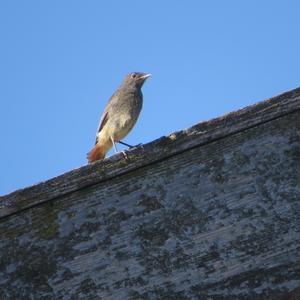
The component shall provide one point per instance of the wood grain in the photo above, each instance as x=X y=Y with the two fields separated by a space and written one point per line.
x=155 y=151
x=209 y=213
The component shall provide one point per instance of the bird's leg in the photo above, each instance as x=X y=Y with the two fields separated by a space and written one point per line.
x=127 y=145
x=115 y=147
x=123 y=152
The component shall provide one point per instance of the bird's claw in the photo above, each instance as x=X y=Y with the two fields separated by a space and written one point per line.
x=124 y=154
x=130 y=146
x=136 y=146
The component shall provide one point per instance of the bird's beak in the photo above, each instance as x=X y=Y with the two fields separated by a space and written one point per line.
x=145 y=76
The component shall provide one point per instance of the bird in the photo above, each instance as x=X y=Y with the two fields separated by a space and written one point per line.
x=119 y=116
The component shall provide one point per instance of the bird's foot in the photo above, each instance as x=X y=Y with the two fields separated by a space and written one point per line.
x=136 y=146
x=130 y=146
x=124 y=154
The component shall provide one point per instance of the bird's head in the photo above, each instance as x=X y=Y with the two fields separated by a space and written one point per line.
x=136 y=79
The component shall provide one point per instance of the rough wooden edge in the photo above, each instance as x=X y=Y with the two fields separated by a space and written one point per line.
x=154 y=151
x=292 y=295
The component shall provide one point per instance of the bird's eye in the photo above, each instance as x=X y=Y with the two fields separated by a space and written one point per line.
x=133 y=75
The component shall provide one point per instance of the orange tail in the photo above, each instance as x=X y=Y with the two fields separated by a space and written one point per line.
x=95 y=154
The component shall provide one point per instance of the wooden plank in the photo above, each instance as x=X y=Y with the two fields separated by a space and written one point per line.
x=217 y=221
x=152 y=152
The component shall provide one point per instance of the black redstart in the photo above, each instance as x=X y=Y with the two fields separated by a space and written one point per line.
x=120 y=115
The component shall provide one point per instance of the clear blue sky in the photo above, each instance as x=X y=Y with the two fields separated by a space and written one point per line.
x=61 y=60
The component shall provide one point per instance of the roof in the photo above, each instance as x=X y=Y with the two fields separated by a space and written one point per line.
x=157 y=150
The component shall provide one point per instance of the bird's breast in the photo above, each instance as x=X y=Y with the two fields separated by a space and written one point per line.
x=123 y=114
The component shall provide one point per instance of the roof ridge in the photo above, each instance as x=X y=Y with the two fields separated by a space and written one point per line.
x=152 y=152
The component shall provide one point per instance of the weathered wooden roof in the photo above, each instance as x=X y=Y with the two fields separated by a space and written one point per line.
x=166 y=146
x=207 y=212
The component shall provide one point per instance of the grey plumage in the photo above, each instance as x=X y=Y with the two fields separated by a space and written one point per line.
x=120 y=115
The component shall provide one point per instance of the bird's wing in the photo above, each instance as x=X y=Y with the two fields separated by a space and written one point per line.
x=105 y=116
x=101 y=124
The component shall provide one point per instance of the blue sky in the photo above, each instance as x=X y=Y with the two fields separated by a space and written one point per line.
x=61 y=61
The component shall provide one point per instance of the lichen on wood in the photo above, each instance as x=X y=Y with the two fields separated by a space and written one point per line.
x=215 y=218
